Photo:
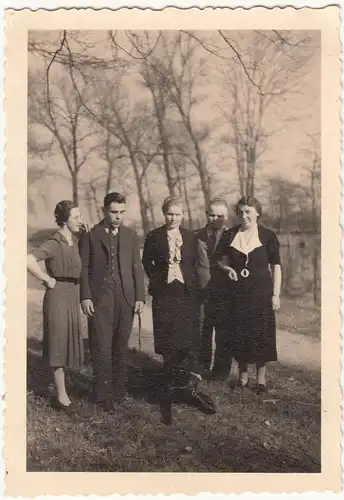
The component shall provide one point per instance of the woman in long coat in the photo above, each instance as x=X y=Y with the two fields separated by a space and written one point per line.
x=169 y=259
x=62 y=333
x=249 y=254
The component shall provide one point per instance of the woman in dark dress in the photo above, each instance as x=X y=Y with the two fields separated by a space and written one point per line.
x=169 y=259
x=62 y=335
x=249 y=254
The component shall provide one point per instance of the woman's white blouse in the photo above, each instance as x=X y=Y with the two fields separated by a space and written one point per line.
x=175 y=242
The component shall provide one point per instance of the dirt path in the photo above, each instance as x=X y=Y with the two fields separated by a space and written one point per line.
x=293 y=349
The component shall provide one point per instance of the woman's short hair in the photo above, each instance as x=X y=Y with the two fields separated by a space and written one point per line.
x=170 y=201
x=62 y=211
x=113 y=198
x=249 y=201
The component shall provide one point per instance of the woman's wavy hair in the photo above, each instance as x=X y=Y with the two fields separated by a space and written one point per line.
x=170 y=201
x=249 y=201
x=62 y=211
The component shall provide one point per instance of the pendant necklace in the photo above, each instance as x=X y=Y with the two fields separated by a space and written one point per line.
x=245 y=245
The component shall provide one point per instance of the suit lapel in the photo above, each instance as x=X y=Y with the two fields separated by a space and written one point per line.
x=102 y=235
x=184 y=234
x=219 y=236
x=162 y=241
x=124 y=247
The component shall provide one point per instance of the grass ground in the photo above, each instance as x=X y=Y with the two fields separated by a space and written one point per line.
x=279 y=432
x=300 y=315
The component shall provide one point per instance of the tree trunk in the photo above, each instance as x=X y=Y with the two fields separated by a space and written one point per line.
x=109 y=177
x=142 y=201
x=187 y=202
x=251 y=166
x=150 y=202
x=75 y=188
x=316 y=273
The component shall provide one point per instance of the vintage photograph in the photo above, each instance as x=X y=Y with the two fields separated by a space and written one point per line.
x=174 y=250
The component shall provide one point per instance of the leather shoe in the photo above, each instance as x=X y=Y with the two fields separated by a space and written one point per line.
x=261 y=389
x=106 y=405
x=67 y=409
x=239 y=384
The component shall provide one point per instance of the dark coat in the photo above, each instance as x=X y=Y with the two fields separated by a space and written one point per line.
x=207 y=270
x=155 y=260
x=94 y=252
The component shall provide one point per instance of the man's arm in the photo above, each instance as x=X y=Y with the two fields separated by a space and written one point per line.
x=147 y=257
x=202 y=264
x=138 y=273
x=84 y=250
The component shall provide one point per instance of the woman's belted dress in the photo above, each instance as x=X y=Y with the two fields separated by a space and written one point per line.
x=248 y=317
x=62 y=333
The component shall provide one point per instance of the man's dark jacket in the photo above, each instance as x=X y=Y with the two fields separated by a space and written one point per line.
x=95 y=257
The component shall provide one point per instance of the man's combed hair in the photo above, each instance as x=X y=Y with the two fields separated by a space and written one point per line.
x=113 y=198
x=218 y=201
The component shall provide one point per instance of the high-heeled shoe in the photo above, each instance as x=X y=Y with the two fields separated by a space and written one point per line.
x=68 y=409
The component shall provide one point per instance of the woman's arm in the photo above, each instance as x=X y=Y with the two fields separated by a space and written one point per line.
x=35 y=269
x=147 y=256
x=277 y=282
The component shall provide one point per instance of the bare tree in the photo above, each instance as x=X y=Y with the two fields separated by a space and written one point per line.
x=182 y=67
x=157 y=84
x=312 y=166
x=257 y=81
x=56 y=108
x=132 y=126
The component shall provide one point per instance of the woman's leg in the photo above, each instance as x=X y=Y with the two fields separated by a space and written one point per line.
x=243 y=373
x=60 y=384
x=261 y=373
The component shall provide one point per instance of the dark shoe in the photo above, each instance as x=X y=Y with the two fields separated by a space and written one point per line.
x=123 y=398
x=239 y=385
x=166 y=414
x=191 y=396
x=69 y=410
x=106 y=405
x=261 y=389
x=219 y=375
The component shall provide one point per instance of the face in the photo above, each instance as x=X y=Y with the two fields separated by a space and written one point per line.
x=74 y=222
x=217 y=215
x=114 y=214
x=173 y=216
x=248 y=216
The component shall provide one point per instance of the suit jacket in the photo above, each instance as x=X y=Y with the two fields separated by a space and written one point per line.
x=156 y=255
x=207 y=271
x=95 y=258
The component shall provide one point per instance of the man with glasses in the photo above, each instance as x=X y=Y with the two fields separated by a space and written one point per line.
x=213 y=283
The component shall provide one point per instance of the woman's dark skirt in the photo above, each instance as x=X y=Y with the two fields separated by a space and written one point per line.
x=176 y=320
x=250 y=326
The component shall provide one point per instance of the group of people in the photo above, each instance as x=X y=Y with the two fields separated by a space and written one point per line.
x=220 y=279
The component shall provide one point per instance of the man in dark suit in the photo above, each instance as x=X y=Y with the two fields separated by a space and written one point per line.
x=111 y=291
x=213 y=283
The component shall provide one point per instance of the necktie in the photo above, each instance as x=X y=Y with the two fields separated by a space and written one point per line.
x=212 y=241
